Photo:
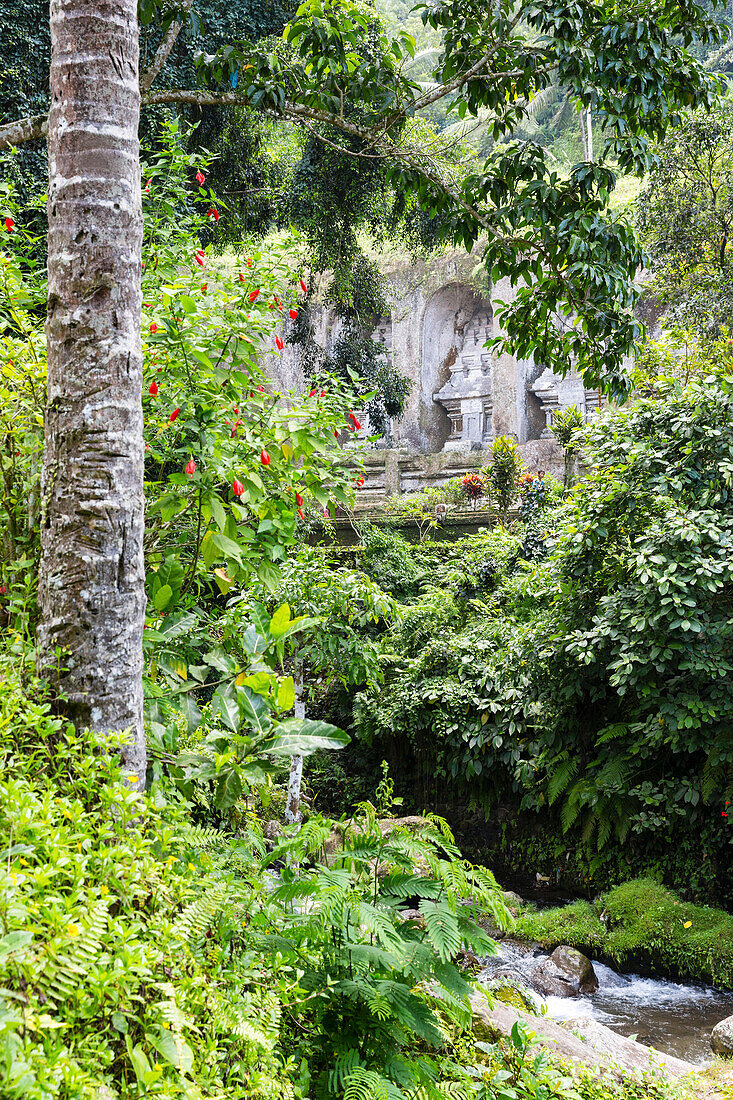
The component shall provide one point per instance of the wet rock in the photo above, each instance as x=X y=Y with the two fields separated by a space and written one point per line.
x=512 y=901
x=583 y=1040
x=721 y=1040
x=413 y=915
x=272 y=830
x=565 y=973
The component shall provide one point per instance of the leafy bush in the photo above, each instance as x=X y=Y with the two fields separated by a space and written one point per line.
x=503 y=472
x=123 y=964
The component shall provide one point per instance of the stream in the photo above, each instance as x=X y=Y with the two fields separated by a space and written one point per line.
x=673 y=1017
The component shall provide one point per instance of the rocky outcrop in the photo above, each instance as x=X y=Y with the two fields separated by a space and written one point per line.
x=589 y=1043
x=565 y=973
x=721 y=1040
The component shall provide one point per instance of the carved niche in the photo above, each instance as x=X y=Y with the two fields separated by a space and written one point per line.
x=467 y=394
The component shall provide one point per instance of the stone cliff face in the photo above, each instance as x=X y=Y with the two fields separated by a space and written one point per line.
x=463 y=394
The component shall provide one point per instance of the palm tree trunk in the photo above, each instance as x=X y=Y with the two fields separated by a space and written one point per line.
x=91 y=589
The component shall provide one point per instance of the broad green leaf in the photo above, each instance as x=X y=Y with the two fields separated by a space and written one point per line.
x=224 y=704
x=286 y=693
x=162 y=597
x=280 y=621
x=228 y=790
x=303 y=736
x=173 y=1048
x=191 y=712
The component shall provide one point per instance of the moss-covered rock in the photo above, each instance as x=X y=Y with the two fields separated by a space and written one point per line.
x=644 y=926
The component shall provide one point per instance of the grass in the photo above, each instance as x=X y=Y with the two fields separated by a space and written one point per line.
x=646 y=926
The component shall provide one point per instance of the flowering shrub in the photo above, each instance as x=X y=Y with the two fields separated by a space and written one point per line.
x=474 y=486
x=228 y=458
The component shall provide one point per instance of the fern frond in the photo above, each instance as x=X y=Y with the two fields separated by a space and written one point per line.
x=66 y=971
x=563 y=774
x=196 y=919
x=367 y=1084
x=441 y=924
x=201 y=838
x=230 y=1018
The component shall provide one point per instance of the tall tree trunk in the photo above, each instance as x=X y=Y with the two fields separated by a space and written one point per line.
x=91 y=596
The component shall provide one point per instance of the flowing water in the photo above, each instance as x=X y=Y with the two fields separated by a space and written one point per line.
x=671 y=1016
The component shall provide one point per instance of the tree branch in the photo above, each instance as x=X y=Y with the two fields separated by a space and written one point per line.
x=35 y=127
x=25 y=129
x=165 y=47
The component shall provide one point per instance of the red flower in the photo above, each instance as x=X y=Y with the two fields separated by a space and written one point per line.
x=265 y=458
x=235 y=409
x=200 y=257
x=216 y=215
x=147 y=185
x=237 y=488
x=204 y=287
x=279 y=343
x=253 y=294
x=336 y=434
x=303 y=287
x=153 y=389
x=200 y=178
x=3 y=589
x=293 y=314
x=9 y=224
x=261 y=389
x=357 y=425
x=190 y=467
x=299 y=499
x=311 y=393
x=300 y=513
x=210 y=212
x=175 y=414
x=323 y=393
x=249 y=262
x=153 y=327
x=241 y=277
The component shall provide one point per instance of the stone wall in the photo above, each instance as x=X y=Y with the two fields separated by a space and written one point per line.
x=463 y=394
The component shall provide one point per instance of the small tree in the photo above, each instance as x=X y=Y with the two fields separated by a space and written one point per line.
x=504 y=472
x=341 y=606
x=566 y=426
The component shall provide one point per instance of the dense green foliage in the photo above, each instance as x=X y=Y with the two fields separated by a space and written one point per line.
x=578 y=665
x=641 y=924
x=685 y=216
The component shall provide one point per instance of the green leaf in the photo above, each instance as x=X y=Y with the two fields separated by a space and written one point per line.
x=302 y=736
x=228 y=790
x=173 y=1048
x=225 y=705
x=190 y=711
x=280 y=621
x=162 y=597
x=286 y=693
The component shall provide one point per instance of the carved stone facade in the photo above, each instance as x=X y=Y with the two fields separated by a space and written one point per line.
x=463 y=394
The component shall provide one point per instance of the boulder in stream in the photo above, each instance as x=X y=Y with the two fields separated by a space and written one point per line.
x=721 y=1039
x=582 y=1040
x=565 y=973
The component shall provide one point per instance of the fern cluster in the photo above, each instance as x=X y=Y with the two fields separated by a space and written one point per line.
x=388 y=981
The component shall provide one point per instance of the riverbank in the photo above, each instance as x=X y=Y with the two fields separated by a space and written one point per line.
x=644 y=927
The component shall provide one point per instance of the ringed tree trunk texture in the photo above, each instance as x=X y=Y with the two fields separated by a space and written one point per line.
x=91 y=587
